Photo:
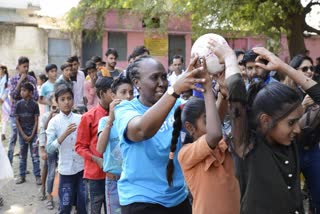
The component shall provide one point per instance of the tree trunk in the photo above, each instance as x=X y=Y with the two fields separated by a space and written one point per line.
x=295 y=35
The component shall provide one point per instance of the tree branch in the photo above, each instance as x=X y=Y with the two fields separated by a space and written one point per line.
x=307 y=9
x=311 y=29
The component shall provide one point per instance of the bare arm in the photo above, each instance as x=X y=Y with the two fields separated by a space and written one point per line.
x=145 y=126
x=274 y=63
x=43 y=100
x=35 y=127
x=236 y=97
x=24 y=136
x=103 y=138
x=213 y=124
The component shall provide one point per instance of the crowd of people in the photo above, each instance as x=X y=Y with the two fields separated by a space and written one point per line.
x=148 y=140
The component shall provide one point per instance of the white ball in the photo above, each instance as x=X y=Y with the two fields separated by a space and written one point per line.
x=200 y=48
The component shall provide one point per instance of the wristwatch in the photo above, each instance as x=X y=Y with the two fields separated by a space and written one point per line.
x=171 y=92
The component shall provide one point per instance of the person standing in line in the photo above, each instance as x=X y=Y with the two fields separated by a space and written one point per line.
x=61 y=136
x=27 y=115
x=85 y=146
x=51 y=159
x=47 y=88
x=4 y=100
x=78 y=78
x=90 y=91
x=14 y=92
x=177 y=69
x=144 y=125
x=109 y=145
x=111 y=62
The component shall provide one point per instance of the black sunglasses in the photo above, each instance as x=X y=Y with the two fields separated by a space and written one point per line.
x=306 y=68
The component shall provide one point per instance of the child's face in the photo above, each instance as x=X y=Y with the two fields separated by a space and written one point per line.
x=23 y=68
x=52 y=74
x=124 y=92
x=199 y=128
x=25 y=93
x=106 y=97
x=67 y=72
x=65 y=102
x=92 y=72
x=286 y=130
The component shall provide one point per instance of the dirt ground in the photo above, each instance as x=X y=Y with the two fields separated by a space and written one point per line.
x=23 y=198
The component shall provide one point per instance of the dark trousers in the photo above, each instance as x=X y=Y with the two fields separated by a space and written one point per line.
x=310 y=167
x=52 y=166
x=71 y=189
x=146 y=208
x=95 y=196
x=13 y=138
x=34 y=152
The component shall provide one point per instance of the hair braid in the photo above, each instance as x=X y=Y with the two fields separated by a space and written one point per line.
x=177 y=125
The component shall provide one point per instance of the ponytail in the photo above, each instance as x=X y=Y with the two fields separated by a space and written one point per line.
x=177 y=125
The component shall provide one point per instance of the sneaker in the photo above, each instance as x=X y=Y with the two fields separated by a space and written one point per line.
x=21 y=180
x=38 y=181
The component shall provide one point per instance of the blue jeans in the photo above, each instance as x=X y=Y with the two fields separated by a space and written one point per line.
x=112 y=196
x=95 y=197
x=71 y=189
x=13 y=138
x=310 y=167
x=34 y=152
x=52 y=166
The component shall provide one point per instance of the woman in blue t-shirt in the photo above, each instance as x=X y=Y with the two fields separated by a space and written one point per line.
x=145 y=126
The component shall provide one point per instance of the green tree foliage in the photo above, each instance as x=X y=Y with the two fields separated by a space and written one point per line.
x=262 y=17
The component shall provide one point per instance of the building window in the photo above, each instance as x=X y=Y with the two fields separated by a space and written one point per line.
x=118 y=41
x=58 y=51
x=177 y=46
x=90 y=47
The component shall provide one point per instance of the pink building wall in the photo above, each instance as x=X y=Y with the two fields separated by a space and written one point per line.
x=312 y=44
x=132 y=24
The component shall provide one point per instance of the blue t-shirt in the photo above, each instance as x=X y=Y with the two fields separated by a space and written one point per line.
x=143 y=177
x=112 y=159
x=46 y=90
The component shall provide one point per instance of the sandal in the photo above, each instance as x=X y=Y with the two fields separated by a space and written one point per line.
x=50 y=205
x=42 y=197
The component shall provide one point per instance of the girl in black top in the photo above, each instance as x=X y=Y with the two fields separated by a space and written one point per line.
x=265 y=123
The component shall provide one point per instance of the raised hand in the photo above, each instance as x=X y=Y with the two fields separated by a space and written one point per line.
x=189 y=78
x=112 y=106
x=274 y=63
x=71 y=128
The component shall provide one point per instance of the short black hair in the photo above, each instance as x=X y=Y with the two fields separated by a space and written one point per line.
x=177 y=57
x=96 y=59
x=73 y=59
x=139 y=50
x=28 y=86
x=50 y=67
x=65 y=65
x=22 y=60
x=89 y=65
x=43 y=77
x=121 y=79
x=62 y=89
x=113 y=52
x=250 y=56
x=103 y=84
x=238 y=52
